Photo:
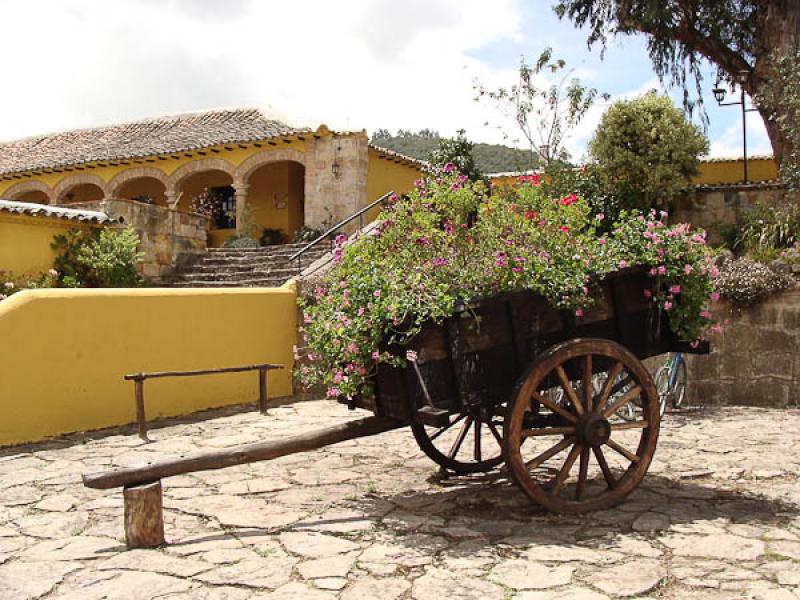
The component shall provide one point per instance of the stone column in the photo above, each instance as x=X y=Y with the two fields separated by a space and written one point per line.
x=172 y=197
x=241 y=204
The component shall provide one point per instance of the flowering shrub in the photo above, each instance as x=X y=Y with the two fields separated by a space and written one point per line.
x=10 y=285
x=744 y=282
x=450 y=242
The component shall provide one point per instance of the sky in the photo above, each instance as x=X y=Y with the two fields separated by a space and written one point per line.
x=355 y=64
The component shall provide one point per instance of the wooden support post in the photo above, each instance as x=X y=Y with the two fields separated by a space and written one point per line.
x=141 y=420
x=262 y=391
x=144 y=515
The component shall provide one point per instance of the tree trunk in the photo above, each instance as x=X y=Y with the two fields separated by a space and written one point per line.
x=778 y=29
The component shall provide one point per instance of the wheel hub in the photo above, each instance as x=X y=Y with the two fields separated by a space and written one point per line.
x=593 y=430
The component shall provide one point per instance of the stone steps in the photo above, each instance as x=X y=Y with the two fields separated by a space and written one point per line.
x=246 y=267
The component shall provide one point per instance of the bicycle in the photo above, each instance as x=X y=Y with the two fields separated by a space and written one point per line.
x=670 y=382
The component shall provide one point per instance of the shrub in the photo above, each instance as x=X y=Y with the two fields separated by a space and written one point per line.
x=241 y=242
x=449 y=242
x=9 y=284
x=92 y=258
x=767 y=230
x=647 y=144
x=743 y=281
x=272 y=237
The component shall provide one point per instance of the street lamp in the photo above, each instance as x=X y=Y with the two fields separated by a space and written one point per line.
x=719 y=95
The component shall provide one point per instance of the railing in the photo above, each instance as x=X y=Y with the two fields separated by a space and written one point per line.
x=329 y=235
x=139 y=379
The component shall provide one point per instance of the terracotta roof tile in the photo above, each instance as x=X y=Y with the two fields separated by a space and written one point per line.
x=55 y=212
x=162 y=135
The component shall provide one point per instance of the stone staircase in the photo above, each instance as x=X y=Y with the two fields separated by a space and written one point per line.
x=257 y=267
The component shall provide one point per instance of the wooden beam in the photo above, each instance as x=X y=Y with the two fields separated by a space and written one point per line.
x=144 y=515
x=239 y=455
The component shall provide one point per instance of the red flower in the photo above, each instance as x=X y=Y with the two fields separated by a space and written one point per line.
x=568 y=200
x=530 y=214
x=564 y=229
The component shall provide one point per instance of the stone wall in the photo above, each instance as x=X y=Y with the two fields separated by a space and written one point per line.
x=711 y=206
x=167 y=236
x=331 y=196
x=755 y=361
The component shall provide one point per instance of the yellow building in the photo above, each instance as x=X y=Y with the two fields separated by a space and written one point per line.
x=253 y=171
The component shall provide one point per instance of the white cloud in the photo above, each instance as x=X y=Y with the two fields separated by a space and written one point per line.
x=359 y=64
x=729 y=144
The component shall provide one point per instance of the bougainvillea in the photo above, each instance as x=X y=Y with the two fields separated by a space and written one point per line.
x=450 y=242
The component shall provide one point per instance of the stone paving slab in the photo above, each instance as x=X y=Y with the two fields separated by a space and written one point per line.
x=718 y=517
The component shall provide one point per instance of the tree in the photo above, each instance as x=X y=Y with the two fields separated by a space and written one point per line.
x=648 y=146
x=737 y=36
x=458 y=151
x=544 y=110
x=782 y=97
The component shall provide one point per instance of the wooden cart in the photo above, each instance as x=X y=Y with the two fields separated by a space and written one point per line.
x=511 y=379
x=505 y=380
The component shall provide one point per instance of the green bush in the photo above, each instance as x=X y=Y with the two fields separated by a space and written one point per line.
x=240 y=242
x=272 y=237
x=647 y=145
x=768 y=229
x=98 y=258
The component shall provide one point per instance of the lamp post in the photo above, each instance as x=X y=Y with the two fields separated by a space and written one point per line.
x=719 y=95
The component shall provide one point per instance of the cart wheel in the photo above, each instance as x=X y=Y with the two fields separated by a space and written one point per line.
x=470 y=443
x=612 y=454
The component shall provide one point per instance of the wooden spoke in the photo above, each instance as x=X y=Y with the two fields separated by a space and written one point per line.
x=446 y=427
x=569 y=390
x=550 y=453
x=613 y=373
x=601 y=460
x=632 y=393
x=548 y=431
x=623 y=450
x=588 y=391
x=477 y=450
x=460 y=439
x=630 y=425
x=495 y=433
x=554 y=407
x=583 y=473
x=565 y=469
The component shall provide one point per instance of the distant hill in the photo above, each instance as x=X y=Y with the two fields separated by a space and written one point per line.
x=490 y=158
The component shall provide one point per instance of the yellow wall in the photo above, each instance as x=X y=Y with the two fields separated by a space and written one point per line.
x=385 y=175
x=64 y=352
x=143 y=186
x=217 y=237
x=732 y=171
x=25 y=242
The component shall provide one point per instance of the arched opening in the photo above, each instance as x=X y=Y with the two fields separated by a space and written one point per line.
x=211 y=193
x=83 y=192
x=36 y=196
x=275 y=197
x=148 y=190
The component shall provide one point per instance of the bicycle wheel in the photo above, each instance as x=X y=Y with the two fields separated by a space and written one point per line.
x=662 y=388
x=678 y=391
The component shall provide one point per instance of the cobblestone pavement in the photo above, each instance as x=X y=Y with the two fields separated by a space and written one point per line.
x=717 y=517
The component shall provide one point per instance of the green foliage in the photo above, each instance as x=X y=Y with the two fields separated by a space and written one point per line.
x=272 y=237
x=489 y=158
x=241 y=242
x=544 y=113
x=449 y=242
x=92 y=258
x=781 y=97
x=767 y=229
x=11 y=284
x=648 y=146
x=457 y=151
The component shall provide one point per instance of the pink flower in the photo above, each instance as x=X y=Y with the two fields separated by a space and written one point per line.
x=687 y=268
x=564 y=229
x=705 y=314
x=411 y=355
x=375 y=355
x=648 y=294
x=662 y=270
x=566 y=201
x=377 y=293
x=600 y=216
x=579 y=312
x=449 y=167
x=667 y=305
x=333 y=392
x=714 y=296
x=623 y=264
x=338 y=376
x=675 y=289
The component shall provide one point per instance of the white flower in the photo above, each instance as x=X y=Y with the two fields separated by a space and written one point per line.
x=9 y=285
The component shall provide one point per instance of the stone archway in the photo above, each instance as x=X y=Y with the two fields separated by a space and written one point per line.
x=131 y=177
x=244 y=170
x=25 y=187
x=63 y=187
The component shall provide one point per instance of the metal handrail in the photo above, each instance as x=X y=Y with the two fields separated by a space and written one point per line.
x=359 y=214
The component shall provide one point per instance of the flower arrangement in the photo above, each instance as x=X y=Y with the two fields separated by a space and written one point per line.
x=451 y=241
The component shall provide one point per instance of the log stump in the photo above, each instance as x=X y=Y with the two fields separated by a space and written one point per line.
x=144 y=515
